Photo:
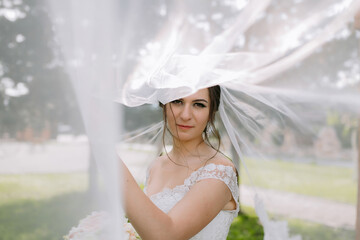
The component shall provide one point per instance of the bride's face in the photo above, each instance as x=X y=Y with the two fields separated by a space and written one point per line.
x=187 y=117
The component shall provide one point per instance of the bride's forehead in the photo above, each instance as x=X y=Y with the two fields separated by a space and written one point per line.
x=201 y=94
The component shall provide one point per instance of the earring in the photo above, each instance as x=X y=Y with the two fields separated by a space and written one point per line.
x=208 y=129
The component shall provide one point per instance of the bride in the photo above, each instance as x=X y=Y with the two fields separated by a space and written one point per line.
x=191 y=192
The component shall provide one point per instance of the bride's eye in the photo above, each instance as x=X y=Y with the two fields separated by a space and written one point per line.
x=200 y=105
x=176 y=102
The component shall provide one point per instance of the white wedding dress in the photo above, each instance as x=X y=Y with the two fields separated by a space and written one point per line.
x=218 y=228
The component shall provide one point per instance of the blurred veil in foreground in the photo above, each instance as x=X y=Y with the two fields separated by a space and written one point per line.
x=285 y=68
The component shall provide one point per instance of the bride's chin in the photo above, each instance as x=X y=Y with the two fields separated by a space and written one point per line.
x=185 y=138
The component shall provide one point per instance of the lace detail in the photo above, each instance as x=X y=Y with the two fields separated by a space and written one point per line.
x=218 y=228
x=220 y=172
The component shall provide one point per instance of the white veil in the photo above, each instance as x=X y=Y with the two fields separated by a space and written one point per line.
x=267 y=57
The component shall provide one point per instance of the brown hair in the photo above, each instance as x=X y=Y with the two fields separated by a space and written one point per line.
x=214 y=94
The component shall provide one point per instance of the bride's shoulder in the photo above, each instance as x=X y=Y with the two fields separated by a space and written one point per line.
x=153 y=169
x=158 y=163
x=221 y=159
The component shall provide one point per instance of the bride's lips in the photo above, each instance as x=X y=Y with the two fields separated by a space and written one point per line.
x=184 y=126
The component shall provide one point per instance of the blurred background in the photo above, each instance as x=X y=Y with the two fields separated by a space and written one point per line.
x=47 y=171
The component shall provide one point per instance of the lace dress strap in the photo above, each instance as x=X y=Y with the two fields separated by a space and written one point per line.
x=217 y=171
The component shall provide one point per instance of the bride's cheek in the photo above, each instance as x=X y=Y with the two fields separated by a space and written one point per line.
x=171 y=125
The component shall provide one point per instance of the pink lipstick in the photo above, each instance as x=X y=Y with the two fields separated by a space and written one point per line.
x=184 y=126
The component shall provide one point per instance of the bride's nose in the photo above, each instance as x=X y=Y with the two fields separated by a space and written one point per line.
x=185 y=113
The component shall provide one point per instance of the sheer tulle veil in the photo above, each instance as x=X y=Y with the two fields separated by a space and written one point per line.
x=278 y=64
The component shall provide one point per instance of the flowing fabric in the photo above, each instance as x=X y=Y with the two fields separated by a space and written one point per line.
x=267 y=56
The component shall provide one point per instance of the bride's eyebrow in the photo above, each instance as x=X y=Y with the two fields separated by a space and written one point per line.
x=200 y=100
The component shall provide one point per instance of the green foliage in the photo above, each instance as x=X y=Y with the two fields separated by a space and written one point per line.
x=344 y=125
x=278 y=138
x=245 y=227
x=134 y=117
x=36 y=63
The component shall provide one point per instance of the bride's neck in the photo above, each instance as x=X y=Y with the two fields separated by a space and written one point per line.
x=188 y=148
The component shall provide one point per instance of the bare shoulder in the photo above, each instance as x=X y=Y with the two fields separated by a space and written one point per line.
x=157 y=163
x=221 y=159
x=153 y=169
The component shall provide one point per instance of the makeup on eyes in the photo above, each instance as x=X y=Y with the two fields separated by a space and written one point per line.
x=200 y=105
x=198 y=102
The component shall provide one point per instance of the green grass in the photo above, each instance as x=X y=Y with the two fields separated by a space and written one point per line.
x=42 y=219
x=46 y=206
x=313 y=231
x=330 y=182
x=39 y=186
x=41 y=206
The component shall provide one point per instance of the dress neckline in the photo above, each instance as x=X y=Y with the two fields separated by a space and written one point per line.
x=178 y=186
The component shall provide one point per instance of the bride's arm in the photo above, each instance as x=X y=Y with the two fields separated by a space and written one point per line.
x=148 y=220
x=199 y=206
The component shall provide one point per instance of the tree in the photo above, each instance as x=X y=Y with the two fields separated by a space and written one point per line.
x=34 y=89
